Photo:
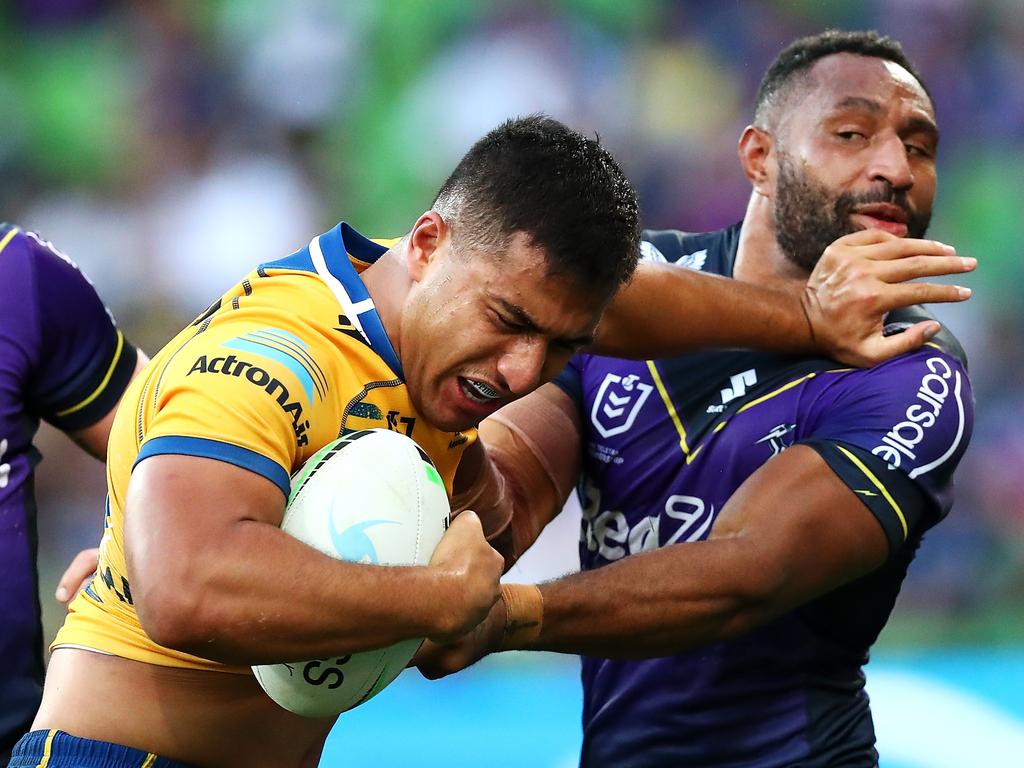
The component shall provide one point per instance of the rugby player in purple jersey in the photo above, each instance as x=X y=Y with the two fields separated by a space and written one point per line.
x=795 y=491
x=63 y=360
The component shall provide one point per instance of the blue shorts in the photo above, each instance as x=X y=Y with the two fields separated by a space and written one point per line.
x=56 y=749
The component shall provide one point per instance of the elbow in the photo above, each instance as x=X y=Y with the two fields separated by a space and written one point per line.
x=757 y=597
x=170 y=611
x=170 y=617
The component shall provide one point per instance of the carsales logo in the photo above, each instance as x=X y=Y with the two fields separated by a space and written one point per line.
x=902 y=440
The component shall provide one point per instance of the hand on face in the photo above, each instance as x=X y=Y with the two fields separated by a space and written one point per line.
x=863 y=276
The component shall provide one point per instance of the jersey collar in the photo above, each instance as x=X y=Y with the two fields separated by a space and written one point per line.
x=330 y=254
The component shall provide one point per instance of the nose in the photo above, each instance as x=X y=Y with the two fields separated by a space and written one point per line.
x=522 y=364
x=889 y=163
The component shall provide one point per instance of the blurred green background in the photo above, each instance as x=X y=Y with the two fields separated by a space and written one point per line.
x=169 y=146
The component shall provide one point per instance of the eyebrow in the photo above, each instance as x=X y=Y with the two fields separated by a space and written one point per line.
x=523 y=318
x=913 y=125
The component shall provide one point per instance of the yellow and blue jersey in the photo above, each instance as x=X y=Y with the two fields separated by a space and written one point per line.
x=291 y=358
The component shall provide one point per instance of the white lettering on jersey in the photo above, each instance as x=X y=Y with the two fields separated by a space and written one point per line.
x=609 y=534
x=5 y=469
x=740 y=382
x=902 y=439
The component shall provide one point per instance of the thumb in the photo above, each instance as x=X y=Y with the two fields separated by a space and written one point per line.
x=909 y=340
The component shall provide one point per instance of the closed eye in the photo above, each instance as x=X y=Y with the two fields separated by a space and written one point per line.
x=914 y=149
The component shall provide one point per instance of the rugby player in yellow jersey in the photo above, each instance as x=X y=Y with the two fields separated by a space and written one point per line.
x=484 y=298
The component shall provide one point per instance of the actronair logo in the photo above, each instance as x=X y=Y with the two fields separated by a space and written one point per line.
x=937 y=387
x=230 y=365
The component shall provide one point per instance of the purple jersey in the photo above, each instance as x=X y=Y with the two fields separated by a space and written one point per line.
x=63 y=360
x=667 y=442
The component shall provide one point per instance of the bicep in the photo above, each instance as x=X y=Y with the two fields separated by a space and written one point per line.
x=180 y=507
x=805 y=531
x=533 y=446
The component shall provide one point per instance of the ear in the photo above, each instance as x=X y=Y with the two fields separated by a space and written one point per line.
x=430 y=236
x=757 y=156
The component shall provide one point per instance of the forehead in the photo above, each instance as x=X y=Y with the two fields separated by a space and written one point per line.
x=521 y=275
x=836 y=79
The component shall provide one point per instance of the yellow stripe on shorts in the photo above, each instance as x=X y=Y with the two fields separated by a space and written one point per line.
x=46 y=749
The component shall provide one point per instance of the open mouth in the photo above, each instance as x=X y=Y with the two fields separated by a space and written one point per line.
x=479 y=392
x=884 y=212
x=885 y=216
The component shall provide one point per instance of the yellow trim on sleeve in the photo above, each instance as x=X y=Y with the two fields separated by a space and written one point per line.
x=148 y=762
x=103 y=384
x=878 y=484
x=7 y=238
x=669 y=406
x=49 y=741
x=778 y=391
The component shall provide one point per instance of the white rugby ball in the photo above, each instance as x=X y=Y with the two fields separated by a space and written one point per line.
x=372 y=497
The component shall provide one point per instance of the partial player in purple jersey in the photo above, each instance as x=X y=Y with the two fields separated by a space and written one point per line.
x=797 y=490
x=63 y=360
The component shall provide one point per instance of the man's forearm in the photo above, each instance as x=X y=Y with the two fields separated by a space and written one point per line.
x=257 y=596
x=667 y=310
x=657 y=603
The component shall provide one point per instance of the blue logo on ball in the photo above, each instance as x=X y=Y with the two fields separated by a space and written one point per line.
x=353 y=544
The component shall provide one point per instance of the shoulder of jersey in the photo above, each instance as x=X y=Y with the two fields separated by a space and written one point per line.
x=901 y=319
x=686 y=249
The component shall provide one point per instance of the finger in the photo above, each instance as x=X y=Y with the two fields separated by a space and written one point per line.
x=77 y=573
x=907 y=341
x=913 y=267
x=902 y=247
x=469 y=521
x=866 y=237
x=907 y=294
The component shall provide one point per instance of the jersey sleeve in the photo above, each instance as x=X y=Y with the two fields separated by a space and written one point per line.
x=83 y=361
x=894 y=434
x=570 y=380
x=242 y=395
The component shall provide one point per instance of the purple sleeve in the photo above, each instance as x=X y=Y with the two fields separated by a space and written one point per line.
x=895 y=434
x=81 y=362
x=571 y=379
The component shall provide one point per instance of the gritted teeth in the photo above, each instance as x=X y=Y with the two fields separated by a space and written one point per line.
x=481 y=390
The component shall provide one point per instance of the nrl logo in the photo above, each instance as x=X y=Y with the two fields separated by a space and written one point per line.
x=617 y=404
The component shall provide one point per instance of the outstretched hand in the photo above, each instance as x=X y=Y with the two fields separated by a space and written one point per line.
x=861 y=277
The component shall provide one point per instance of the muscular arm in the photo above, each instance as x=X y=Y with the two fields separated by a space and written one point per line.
x=766 y=555
x=667 y=310
x=213 y=575
x=519 y=473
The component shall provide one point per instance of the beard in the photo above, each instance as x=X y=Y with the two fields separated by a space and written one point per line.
x=809 y=217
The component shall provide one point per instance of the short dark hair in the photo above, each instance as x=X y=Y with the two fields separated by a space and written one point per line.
x=800 y=55
x=563 y=190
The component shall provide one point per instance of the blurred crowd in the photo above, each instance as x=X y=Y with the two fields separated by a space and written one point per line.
x=170 y=146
